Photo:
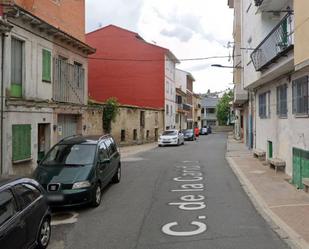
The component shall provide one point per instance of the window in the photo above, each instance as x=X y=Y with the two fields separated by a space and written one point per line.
x=264 y=100
x=167 y=109
x=21 y=142
x=134 y=134
x=142 y=118
x=68 y=154
x=109 y=148
x=202 y=111
x=27 y=194
x=177 y=118
x=46 y=65
x=16 y=68
x=282 y=101
x=123 y=135
x=78 y=74
x=156 y=118
x=210 y=110
x=102 y=152
x=300 y=95
x=113 y=146
x=7 y=206
x=147 y=134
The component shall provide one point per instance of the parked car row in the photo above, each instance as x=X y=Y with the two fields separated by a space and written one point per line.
x=73 y=172
x=175 y=137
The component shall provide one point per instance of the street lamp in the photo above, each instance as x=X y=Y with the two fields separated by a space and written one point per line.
x=219 y=65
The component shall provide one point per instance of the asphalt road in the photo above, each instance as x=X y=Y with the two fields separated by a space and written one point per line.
x=184 y=197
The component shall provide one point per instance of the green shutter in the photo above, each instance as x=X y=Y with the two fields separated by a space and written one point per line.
x=21 y=142
x=46 y=66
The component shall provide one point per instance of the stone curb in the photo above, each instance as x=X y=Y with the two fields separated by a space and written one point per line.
x=293 y=239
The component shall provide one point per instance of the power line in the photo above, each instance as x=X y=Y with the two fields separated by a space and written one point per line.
x=153 y=60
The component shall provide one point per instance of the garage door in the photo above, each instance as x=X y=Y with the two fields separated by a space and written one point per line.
x=67 y=125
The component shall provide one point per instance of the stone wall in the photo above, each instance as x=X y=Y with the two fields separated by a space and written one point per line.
x=130 y=128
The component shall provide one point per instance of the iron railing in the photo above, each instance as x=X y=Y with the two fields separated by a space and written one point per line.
x=68 y=82
x=276 y=44
x=184 y=107
x=258 y=2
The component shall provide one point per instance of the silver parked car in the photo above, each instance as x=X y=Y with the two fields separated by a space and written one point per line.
x=171 y=137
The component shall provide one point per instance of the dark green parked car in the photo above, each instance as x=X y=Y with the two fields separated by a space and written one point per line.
x=76 y=169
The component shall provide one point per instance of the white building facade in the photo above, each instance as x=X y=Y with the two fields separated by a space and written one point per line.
x=45 y=90
x=278 y=92
x=170 y=91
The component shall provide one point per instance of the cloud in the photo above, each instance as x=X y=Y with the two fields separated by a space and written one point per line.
x=190 y=29
x=181 y=33
x=198 y=67
x=118 y=12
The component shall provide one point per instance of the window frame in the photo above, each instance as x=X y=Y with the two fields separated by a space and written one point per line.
x=46 y=78
x=282 y=102
x=16 y=88
x=264 y=107
x=301 y=84
x=19 y=130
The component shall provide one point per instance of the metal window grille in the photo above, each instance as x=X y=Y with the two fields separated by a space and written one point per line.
x=300 y=95
x=282 y=109
x=263 y=105
x=68 y=82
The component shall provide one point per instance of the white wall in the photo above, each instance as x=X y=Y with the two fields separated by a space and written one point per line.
x=256 y=25
x=33 y=86
x=285 y=133
x=170 y=92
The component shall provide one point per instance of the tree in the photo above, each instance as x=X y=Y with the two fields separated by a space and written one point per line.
x=110 y=111
x=223 y=107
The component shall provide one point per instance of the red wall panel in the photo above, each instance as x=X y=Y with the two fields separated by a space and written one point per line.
x=135 y=72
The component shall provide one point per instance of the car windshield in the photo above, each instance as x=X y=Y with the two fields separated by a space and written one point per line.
x=188 y=131
x=169 y=133
x=70 y=155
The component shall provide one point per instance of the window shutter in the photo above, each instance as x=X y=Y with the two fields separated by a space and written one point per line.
x=46 y=65
x=21 y=142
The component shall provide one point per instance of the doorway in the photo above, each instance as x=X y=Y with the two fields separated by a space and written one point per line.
x=43 y=140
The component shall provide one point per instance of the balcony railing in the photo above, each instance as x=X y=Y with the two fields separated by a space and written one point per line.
x=276 y=44
x=184 y=107
x=258 y=2
x=68 y=82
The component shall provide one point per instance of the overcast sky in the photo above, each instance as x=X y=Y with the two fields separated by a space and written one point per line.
x=189 y=28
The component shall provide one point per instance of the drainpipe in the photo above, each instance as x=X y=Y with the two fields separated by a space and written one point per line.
x=2 y=103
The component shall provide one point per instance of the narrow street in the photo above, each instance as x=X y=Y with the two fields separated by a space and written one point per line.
x=172 y=198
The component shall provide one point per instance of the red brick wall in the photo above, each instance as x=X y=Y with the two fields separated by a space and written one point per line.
x=131 y=82
x=68 y=15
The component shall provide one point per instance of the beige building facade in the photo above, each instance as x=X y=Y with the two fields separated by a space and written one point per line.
x=134 y=125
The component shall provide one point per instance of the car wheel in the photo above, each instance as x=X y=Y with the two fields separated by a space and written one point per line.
x=44 y=234
x=117 y=176
x=96 y=195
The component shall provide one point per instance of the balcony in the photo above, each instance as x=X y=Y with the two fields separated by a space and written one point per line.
x=183 y=107
x=270 y=5
x=68 y=82
x=240 y=95
x=275 y=45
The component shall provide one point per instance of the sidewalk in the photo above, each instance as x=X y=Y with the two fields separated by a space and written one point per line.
x=128 y=151
x=279 y=202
